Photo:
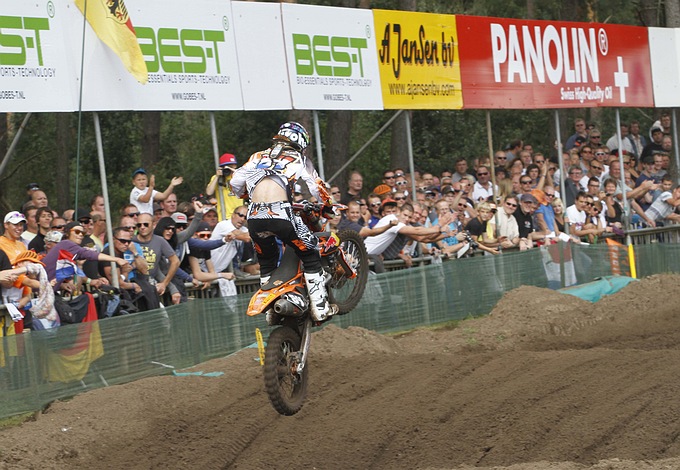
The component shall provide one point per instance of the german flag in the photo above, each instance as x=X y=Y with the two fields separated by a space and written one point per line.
x=111 y=22
x=72 y=363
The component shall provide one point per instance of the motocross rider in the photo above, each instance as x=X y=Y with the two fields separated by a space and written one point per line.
x=268 y=179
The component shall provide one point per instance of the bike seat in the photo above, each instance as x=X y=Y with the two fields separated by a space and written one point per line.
x=287 y=270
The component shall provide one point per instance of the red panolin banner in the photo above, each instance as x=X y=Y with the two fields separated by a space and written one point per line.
x=521 y=64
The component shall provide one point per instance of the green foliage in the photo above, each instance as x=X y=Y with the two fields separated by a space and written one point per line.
x=186 y=146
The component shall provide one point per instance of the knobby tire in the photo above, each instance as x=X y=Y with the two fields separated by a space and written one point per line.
x=355 y=252
x=286 y=389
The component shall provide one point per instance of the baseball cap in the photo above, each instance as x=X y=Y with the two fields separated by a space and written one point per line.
x=529 y=198
x=32 y=187
x=15 y=217
x=382 y=189
x=656 y=129
x=156 y=207
x=389 y=202
x=82 y=214
x=448 y=189
x=298 y=189
x=203 y=227
x=53 y=236
x=228 y=159
x=138 y=171
x=180 y=218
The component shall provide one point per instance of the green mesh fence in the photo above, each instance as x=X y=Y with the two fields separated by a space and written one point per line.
x=39 y=367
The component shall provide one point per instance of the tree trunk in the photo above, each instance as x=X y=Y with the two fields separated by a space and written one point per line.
x=151 y=138
x=64 y=144
x=649 y=12
x=338 y=131
x=672 y=10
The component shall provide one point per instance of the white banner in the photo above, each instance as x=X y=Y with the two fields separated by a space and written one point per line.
x=664 y=52
x=332 y=60
x=35 y=74
x=261 y=55
x=191 y=59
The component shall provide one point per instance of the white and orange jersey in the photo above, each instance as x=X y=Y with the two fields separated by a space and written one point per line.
x=284 y=165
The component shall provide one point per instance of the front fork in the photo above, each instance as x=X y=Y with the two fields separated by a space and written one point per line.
x=304 y=345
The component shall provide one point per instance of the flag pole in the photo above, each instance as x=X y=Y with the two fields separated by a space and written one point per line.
x=105 y=194
x=80 y=109
x=216 y=155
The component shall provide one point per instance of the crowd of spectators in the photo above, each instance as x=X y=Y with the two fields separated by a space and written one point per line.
x=162 y=245
x=459 y=212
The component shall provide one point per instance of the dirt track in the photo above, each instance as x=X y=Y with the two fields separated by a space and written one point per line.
x=547 y=381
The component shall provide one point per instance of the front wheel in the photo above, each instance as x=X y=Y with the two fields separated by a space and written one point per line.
x=285 y=387
x=346 y=293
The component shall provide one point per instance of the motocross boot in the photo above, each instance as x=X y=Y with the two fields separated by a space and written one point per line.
x=318 y=297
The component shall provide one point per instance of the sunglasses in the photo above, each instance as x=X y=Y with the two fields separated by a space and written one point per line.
x=600 y=154
x=526 y=182
x=482 y=174
x=58 y=227
x=170 y=227
x=595 y=136
x=204 y=235
x=243 y=216
x=389 y=177
x=77 y=231
x=501 y=158
x=132 y=214
x=143 y=224
x=129 y=228
x=85 y=221
x=401 y=183
x=402 y=198
x=375 y=204
x=181 y=226
x=549 y=194
x=124 y=241
x=540 y=162
x=510 y=204
x=596 y=167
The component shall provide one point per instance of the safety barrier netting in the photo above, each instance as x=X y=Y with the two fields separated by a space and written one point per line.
x=39 y=367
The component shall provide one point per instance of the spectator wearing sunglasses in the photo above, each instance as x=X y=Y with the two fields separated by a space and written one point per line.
x=235 y=232
x=155 y=249
x=374 y=203
x=482 y=190
x=74 y=233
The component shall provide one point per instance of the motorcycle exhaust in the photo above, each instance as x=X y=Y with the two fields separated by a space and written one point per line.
x=285 y=308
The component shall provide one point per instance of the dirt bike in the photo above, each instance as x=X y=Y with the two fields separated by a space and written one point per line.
x=285 y=301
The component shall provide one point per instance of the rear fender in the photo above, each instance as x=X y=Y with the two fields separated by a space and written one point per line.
x=262 y=300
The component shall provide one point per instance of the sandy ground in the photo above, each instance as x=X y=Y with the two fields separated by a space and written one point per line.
x=547 y=381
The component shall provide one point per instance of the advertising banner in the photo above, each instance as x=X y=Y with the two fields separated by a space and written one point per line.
x=665 y=56
x=261 y=55
x=191 y=59
x=35 y=74
x=332 y=63
x=418 y=59
x=519 y=64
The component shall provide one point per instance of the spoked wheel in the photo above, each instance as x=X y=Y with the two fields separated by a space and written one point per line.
x=285 y=387
x=346 y=293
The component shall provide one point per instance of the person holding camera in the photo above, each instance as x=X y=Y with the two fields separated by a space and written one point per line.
x=219 y=186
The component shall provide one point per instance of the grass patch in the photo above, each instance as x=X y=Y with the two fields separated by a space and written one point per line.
x=17 y=420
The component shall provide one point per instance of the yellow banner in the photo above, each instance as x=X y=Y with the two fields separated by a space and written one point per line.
x=418 y=60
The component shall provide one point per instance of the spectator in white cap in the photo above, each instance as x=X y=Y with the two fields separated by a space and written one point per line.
x=52 y=238
x=10 y=242
x=225 y=200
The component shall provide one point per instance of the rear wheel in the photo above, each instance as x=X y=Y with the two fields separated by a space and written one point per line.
x=285 y=387
x=346 y=293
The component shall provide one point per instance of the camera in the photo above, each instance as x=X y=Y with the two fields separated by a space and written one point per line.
x=468 y=238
